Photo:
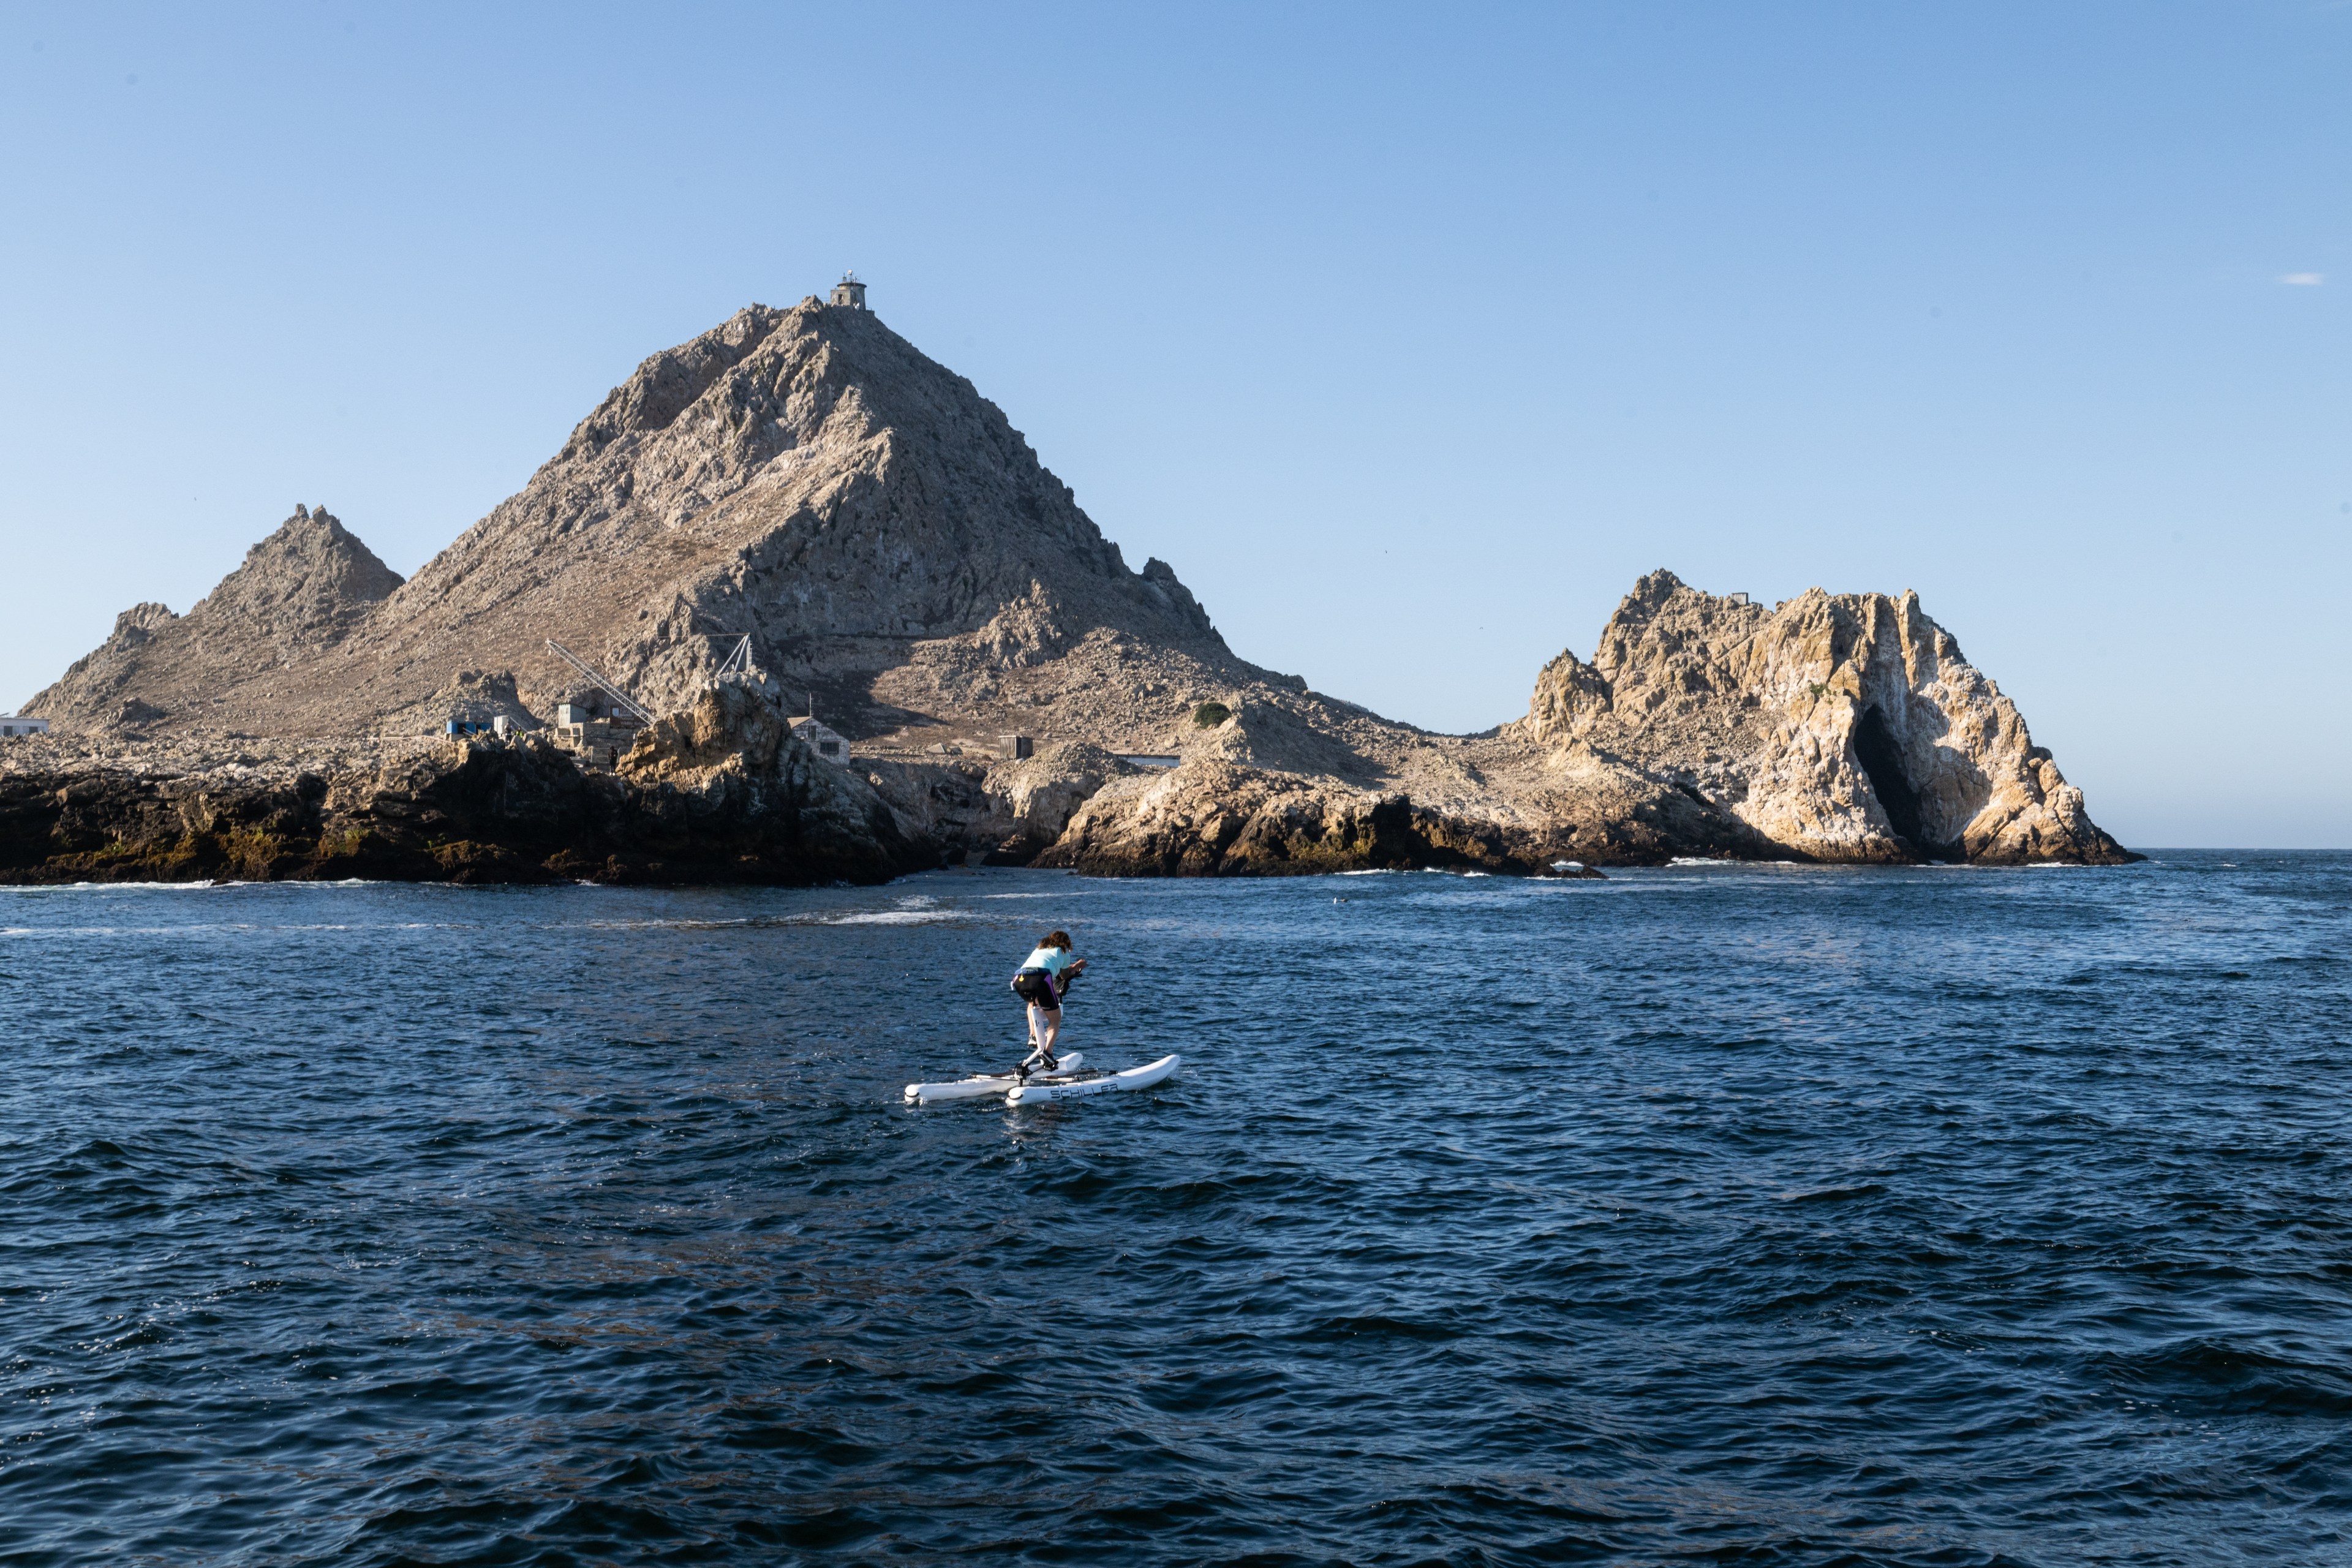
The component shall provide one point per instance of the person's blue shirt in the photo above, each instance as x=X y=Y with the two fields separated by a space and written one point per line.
x=1051 y=959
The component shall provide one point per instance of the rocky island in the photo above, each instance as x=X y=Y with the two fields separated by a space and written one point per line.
x=799 y=513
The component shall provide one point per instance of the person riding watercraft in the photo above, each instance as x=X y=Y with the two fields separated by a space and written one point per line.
x=1043 y=978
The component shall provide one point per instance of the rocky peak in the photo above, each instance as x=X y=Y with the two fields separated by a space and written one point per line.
x=806 y=477
x=669 y=382
x=1664 y=619
x=139 y=622
x=1835 y=726
x=1568 y=695
x=311 y=575
x=299 y=592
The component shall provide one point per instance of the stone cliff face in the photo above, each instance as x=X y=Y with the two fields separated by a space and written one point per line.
x=894 y=550
x=1834 y=727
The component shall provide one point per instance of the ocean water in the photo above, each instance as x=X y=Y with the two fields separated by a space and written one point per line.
x=1747 y=1215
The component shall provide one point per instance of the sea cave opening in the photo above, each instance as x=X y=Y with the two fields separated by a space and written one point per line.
x=1882 y=761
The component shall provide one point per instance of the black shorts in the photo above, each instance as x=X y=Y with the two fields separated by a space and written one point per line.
x=1036 y=985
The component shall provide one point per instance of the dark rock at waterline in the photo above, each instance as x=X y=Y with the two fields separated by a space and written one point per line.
x=1216 y=819
x=720 y=793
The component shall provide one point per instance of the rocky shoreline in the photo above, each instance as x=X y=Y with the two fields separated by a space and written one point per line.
x=718 y=794
x=722 y=792
x=491 y=810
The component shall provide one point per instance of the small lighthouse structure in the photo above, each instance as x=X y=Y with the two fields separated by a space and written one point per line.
x=850 y=292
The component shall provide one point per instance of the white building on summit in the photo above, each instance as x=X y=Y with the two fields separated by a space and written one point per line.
x=849 y=291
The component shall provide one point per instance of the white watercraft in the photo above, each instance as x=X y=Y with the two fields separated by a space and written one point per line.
x=988 y=1083
x=1037 y=1090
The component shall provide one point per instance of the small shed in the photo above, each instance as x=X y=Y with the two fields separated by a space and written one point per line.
x=16 y=724
x=828 y=743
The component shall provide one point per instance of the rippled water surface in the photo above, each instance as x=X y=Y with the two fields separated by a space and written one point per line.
x=1733 y=1216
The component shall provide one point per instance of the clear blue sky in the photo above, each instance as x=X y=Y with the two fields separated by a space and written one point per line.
x=1410 y=335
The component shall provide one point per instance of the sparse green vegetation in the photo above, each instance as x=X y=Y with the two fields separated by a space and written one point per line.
x=1209 y=715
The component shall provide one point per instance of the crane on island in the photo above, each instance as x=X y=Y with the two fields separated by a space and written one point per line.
x=738 y=663
x=628 y=704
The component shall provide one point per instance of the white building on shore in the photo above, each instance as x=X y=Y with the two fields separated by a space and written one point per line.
x=828 y=742
x=14 y=724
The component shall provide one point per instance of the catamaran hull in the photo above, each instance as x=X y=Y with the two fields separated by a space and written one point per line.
x=1035 y=1092
x=991 y=1083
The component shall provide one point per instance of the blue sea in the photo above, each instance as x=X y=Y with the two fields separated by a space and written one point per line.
x=1706 y=1214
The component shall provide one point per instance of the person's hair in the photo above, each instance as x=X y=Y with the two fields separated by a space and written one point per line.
x=1060 y=939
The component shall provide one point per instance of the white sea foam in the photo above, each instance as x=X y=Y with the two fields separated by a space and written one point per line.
x=117 y=930
x=893 y=918
x=901 y=917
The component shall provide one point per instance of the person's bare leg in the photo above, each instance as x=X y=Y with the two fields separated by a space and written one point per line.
x=1041 y=1039
x=1022 y=1071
